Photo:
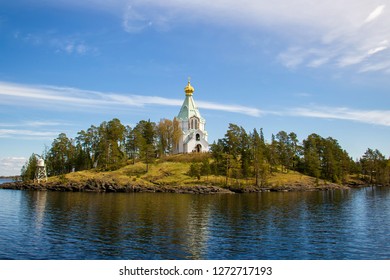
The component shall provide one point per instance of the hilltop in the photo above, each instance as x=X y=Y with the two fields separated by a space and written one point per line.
x=239 y=161
x=171 y=174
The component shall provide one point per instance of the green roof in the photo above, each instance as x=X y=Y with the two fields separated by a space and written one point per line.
x=188 y=109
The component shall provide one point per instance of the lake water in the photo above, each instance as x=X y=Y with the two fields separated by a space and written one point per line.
x=353 y=224
x=5 y=180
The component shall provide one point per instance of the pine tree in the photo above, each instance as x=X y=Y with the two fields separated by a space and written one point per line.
x=29 y=168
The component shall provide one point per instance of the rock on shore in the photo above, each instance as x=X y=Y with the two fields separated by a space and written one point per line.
x=102 y=186
x=94 y=185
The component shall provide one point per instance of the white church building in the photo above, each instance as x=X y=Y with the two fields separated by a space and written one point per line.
x=194 y=136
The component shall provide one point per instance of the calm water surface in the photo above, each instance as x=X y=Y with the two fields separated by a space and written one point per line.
x=352 y=224
x=5 y=180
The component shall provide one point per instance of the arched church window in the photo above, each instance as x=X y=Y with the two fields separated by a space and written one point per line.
x=197 y=137
x=193 y=123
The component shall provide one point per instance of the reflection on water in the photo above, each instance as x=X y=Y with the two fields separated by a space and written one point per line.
x=313 y=225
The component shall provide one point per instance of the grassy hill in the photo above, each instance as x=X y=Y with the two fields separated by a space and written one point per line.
x=174 y=171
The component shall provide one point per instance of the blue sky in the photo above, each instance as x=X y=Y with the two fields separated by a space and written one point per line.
x=296 y=65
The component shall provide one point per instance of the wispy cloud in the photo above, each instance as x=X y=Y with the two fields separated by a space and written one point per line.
x=377 y=117
x=69 y=98
x=32 y=130
x=70 y=44
x=27 y=134
x=357 y=38
x=134 y=21
x=34 y=124
x=72 y=97
x=316 y=33
x=254 y=112
x=334 y=34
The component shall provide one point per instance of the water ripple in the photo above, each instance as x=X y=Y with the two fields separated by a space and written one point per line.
x=325 y=225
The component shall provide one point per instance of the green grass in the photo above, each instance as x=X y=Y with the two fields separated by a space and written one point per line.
x=173 y=171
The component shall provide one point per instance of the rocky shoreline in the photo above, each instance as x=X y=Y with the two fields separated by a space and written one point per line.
x=104 y=186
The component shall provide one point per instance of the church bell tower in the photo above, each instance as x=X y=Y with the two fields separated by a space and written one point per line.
x=194 y=136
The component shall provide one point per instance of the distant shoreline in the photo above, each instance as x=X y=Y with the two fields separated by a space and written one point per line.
x=10 y=177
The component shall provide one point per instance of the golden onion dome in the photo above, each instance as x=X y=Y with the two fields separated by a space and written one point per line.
x=189 y=90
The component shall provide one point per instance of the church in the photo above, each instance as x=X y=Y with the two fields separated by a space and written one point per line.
x=194 y=136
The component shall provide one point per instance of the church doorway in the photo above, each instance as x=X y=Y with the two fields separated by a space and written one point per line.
x=198 y=148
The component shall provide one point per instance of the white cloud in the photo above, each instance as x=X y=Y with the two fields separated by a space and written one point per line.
x=317 y=62
x=11 y=166
x=316 y=33
x=72 y=97
x=292 y=58
x=71 y=44
x=69 y=98
x=377 y=50
x=34 y=124
x=377 y=117
x=351 y=59
x=31 y=130
x=254 y=112
x=376 y=66
x=44 y=123
x=133 y=21
x=27 y=134
x=374 y=14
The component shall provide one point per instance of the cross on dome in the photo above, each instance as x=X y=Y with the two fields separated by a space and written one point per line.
x=189 y=90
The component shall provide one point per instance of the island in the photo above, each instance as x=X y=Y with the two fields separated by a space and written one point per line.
x=176 y=174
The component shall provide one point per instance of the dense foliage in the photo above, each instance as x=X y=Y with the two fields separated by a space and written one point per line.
x=238 y=155
x=107 y=147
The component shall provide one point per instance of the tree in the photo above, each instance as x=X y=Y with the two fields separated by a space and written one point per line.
x=83 y=151
x=116 y=136
x=218 y=165
x=272 y=153
x=294 y=150
x=110 y=148
x=93 y=139
x=312 y=154
x=287 y=150
x=177 y=134
x=205 y=168
x=375 y=166
x=145 y=133
x=282 y=148
x=131 y=148
x=245 y=153
x=237 y=148
x=61 y=156
x=29 y=168
x=233 y=148
x=195 y=170
x=260 y=166
x=232 y=140
x=324 y=158
x=168 y=134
